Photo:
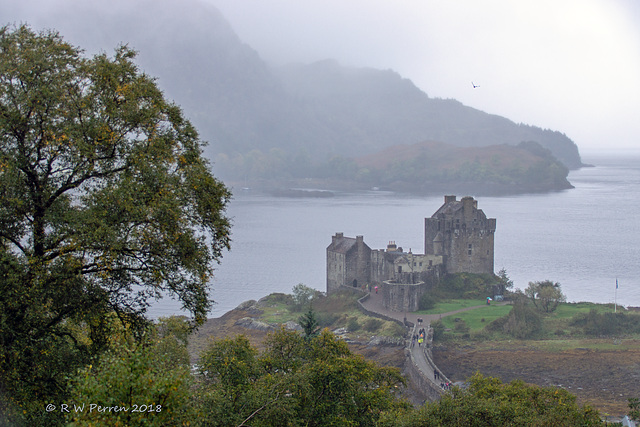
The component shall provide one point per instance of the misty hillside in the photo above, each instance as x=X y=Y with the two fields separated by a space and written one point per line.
x=436 y=168
x=380 y=108
x=255 y=116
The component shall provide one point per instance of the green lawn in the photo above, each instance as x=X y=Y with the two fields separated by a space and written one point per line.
x=556 y=324
x=477 y=318
x=453 y=305
x=567 y=310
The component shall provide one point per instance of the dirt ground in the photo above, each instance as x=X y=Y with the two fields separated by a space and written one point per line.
x=604 y=379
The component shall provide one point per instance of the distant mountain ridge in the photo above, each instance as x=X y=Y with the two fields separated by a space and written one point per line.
x=382 y=106
x=250 y=111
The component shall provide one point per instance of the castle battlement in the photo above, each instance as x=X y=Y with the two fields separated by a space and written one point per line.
x=458 y=238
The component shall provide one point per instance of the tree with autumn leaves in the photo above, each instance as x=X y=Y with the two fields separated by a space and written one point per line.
x=106 y=203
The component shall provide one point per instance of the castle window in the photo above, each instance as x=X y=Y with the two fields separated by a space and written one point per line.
x=420 y=264
x=470 y=249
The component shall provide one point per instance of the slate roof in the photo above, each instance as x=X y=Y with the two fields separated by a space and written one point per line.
x=342 y=244
x=448 y=208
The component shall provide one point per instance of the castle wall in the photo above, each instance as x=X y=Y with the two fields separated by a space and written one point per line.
x=463 y=235
x=336 y=270
x=362 y=267
x=413 y=265
x=348 y=262
x=470 y=251
x=404 y=295
x=381 y=266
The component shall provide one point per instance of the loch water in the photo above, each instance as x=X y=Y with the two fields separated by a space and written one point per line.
x=585 y=238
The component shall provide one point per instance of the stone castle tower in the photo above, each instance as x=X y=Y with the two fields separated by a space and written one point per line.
x=458 y=238
x=348 y=262
x=462 y=234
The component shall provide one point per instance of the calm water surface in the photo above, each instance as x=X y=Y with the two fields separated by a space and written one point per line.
x=583 y=238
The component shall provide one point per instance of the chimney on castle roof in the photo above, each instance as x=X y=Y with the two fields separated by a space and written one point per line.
x=336 y=237
x=448 y=199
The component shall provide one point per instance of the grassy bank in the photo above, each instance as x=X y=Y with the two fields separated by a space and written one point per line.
x=474 y=319
x=339 y=310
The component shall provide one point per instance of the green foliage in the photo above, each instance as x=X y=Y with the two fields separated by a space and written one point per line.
x=505 y=284
x=522 y=321
x=353 y=324
x=634 y=409
x=460 y=326
x=427 y=301
x=309 y=324
x=545 y=295
x=302 y=296
x=595 y=323
x=396 y=330
x=372 y=324
x=231 y=365
x=465 y=286
x=527 y=166
x=478 y=318
x=136 y=383
x=438 y=330
x=294 y=381
x=325 y=319
x=489 y=402
x=105 y=203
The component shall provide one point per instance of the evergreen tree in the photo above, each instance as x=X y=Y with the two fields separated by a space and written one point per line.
x=309 y=324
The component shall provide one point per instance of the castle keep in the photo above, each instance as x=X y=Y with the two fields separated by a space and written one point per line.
x=462 y=234
x=457 y=238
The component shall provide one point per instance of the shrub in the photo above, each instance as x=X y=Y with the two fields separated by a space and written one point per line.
x=461 y=326
x=352 y=324
x=277 y=298
x=603 y=324
x=325 y=320
x=438 y=329
x=466 y=285
x=397 y=330
x=146 y=375
x=497 y=325
x=427 y=302
x=372 y=324
x=522 y=322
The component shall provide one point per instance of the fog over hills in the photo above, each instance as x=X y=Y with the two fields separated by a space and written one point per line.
x=243 y=106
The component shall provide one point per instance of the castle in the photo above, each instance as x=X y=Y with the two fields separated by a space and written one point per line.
x=457 y=238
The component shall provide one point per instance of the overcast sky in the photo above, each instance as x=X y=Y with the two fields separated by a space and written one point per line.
x=567 y=65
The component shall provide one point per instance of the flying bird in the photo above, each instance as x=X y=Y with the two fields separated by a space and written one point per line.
x=474 y=85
